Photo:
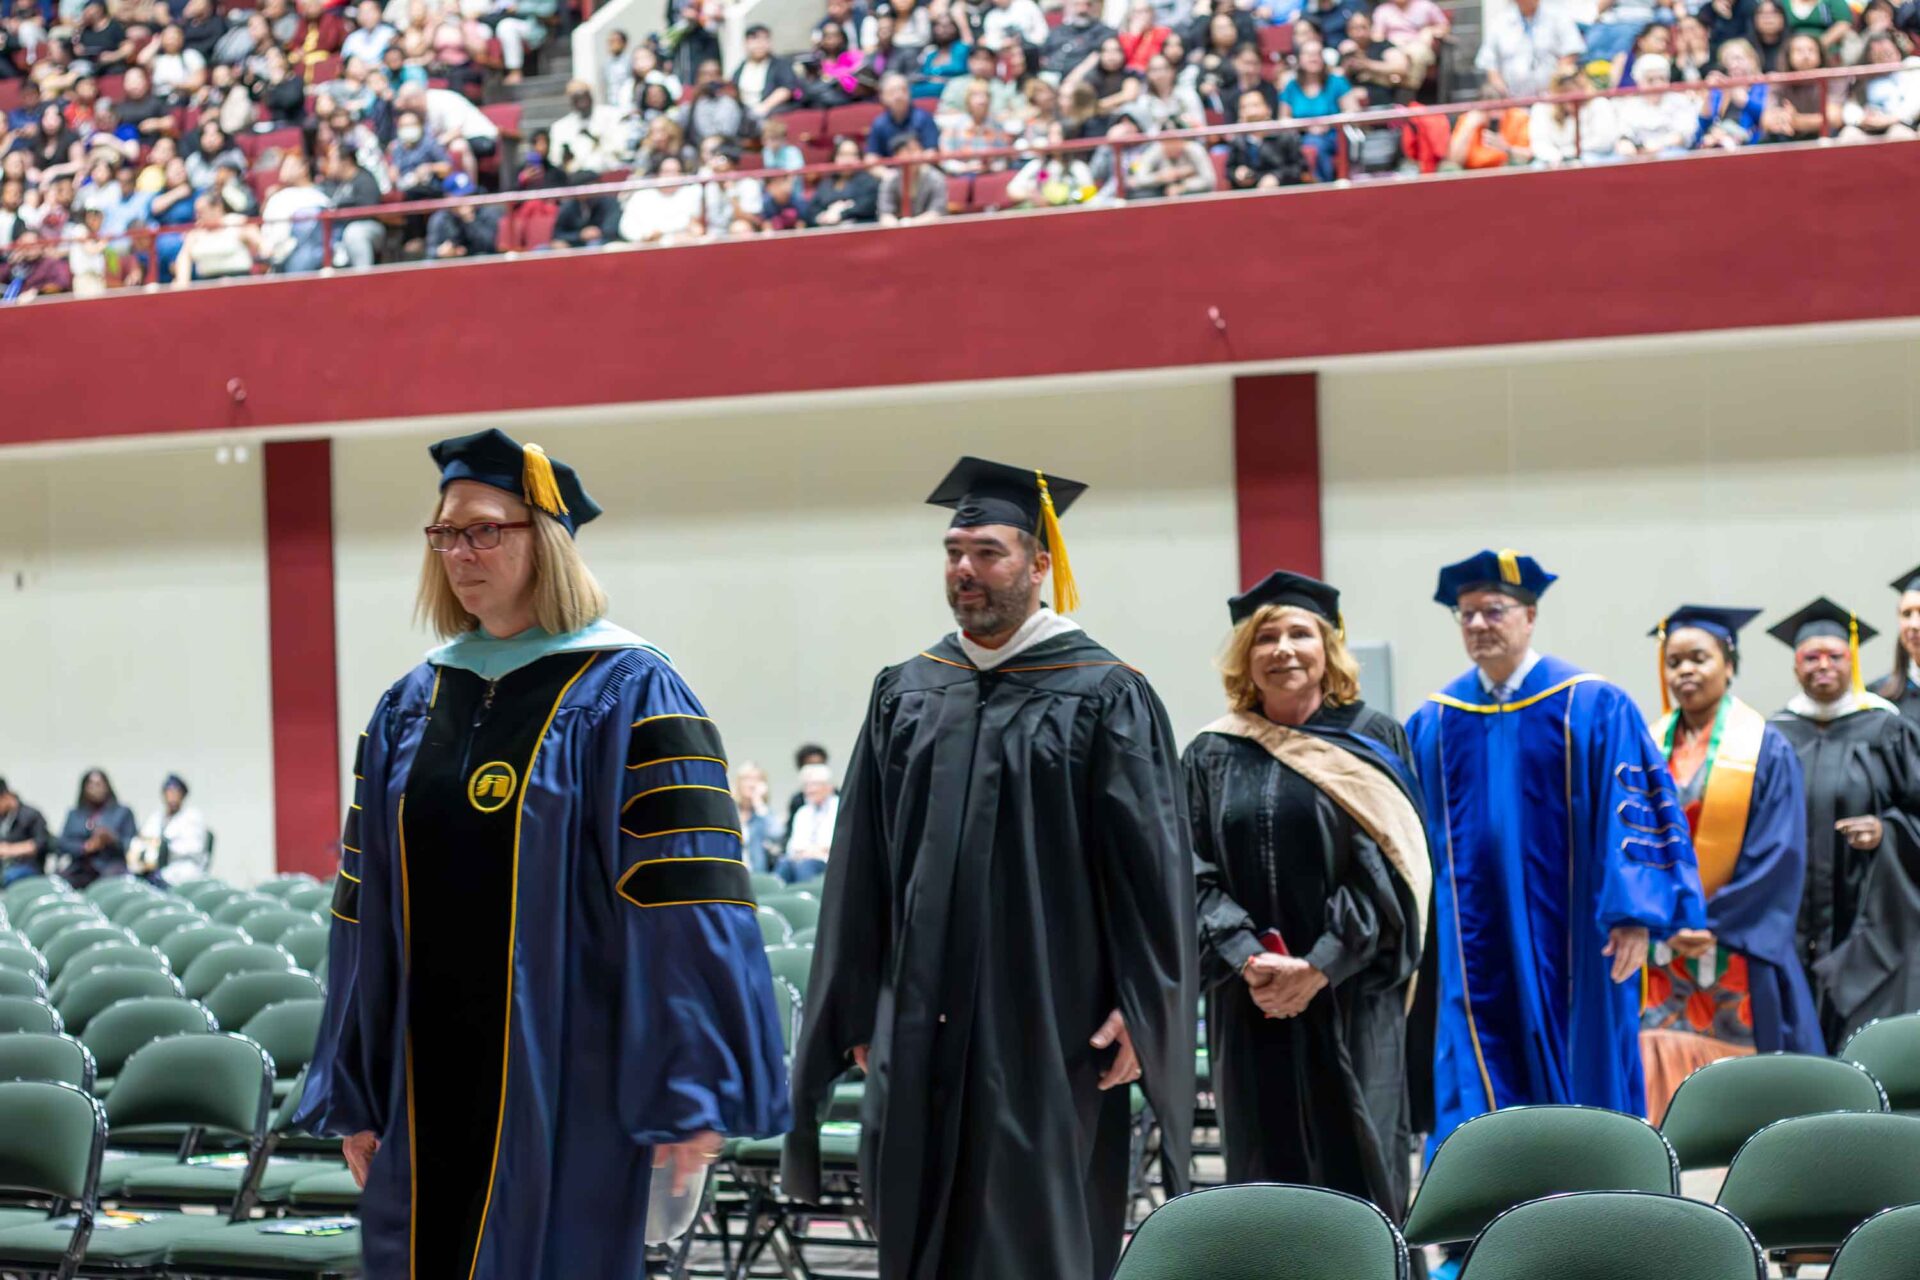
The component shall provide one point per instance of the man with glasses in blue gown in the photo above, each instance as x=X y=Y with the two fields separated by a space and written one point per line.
x=1560 y=849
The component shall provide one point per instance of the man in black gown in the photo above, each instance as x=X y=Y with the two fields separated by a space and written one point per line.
x=1007 y=938
x=1860 y=917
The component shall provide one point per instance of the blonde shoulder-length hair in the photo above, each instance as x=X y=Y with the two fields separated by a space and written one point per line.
x=1339 y=686
x=566 y=595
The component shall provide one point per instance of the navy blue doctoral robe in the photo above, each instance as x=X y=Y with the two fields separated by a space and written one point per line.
x=623 y=1026
x=1555 y=821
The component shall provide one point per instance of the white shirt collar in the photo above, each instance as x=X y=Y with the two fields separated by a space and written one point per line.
x=1519 y=676
x=1044 y=625
x=1845 y=705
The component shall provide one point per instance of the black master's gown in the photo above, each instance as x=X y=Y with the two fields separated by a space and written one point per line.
x=1321 y=1098
x=1860 y=917
x=1010 y=864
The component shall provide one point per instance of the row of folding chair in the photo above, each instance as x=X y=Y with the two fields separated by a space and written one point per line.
x=54 y=1141
x=1278 y=1232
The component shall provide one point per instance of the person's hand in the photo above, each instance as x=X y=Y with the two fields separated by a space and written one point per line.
x=1862 y=833
x=860 y=1056
x=1126 y=1064
x=449 y=250
x=1691 y=944
x=1627 y=944
x=358 y=1151
x=689 y=1157
x=1291 y=988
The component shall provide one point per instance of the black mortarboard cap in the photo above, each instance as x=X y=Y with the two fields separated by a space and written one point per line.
x=1724 y=623
x=1908 y=581
x=981 y=492
x=492 y=457
x=1821 y=618
x=1283 y=587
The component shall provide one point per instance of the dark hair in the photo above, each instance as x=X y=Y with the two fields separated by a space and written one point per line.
x=804 y=755
x=758 y=29
x=1729 y=651
x=81 y=798
x=1893 y=688
x=4 y=790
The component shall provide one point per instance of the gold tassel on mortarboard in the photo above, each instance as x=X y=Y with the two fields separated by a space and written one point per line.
x=1510 y=567
x=1853 y=655
x=1666 y=699
x=1066 y=596
x=537 y=483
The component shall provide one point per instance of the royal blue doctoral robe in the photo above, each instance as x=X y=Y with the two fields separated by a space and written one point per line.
x=1554 y=821
x=620 y=1023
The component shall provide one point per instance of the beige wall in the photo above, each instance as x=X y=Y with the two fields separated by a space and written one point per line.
x=1761 y=476
x=133 y=623
x=784 y=555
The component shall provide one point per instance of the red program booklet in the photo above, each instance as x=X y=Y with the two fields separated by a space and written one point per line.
x=1272 y=941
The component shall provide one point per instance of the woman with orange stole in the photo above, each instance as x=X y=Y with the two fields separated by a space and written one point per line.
x=1735 y=987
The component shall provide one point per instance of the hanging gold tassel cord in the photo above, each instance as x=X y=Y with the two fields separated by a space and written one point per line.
x=1666 y=699
x=1066 y=596
x=537 y=482
x=1853 y=655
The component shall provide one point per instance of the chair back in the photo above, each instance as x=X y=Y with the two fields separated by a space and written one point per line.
x=68 y=943
x=270 y=924
x=218 y=1082
x=26 y=1055
x=52 y=1136
x=1586 y=1235
x=100 y=990
x=117 y=1031
x=212 y=967
x=307 y=944
x=1504 y=1158
x=1720 y=1106
x=1806 y=1182
x=186 y=944
x=1265 y=1231
x=241 y=995
x=1890 y=1049
x=1884 y=1247
x=24 y=1013
x=288 y=1030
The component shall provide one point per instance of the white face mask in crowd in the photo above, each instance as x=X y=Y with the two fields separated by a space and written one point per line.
x=409 y=133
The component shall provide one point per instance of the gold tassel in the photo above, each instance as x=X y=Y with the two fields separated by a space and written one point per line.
x=1666 y=699
x=537 y=482
x=1066 y=596
x=1510 y=567
x=1340 y=626
x=1853 y=655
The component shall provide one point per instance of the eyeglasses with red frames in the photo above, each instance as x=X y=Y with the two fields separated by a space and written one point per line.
x=482 y=536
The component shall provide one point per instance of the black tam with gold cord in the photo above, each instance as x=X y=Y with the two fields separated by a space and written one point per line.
x=1010 y=865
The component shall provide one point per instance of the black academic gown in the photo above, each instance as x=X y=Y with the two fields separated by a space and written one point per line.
x=1859 y=930
x=1319 y=1099
x=1010 y=864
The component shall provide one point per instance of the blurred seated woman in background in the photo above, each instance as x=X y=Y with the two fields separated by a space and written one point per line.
x=97 y=831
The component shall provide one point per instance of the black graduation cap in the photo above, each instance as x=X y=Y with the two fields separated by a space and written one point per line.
x=492 y=457
x=1724 y=623
x=982 y=492
x=1283 y=587
x=1908 y=581
x=1821 y=618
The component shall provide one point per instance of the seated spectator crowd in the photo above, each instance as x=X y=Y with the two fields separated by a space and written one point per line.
x=135 y=150
x=138 y=137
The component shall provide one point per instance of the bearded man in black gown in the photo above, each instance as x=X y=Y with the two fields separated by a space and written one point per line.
x=1007 y=938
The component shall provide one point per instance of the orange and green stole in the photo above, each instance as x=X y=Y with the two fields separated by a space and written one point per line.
x=1708 y=995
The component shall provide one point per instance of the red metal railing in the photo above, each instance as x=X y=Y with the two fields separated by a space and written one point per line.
x=327 y=219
